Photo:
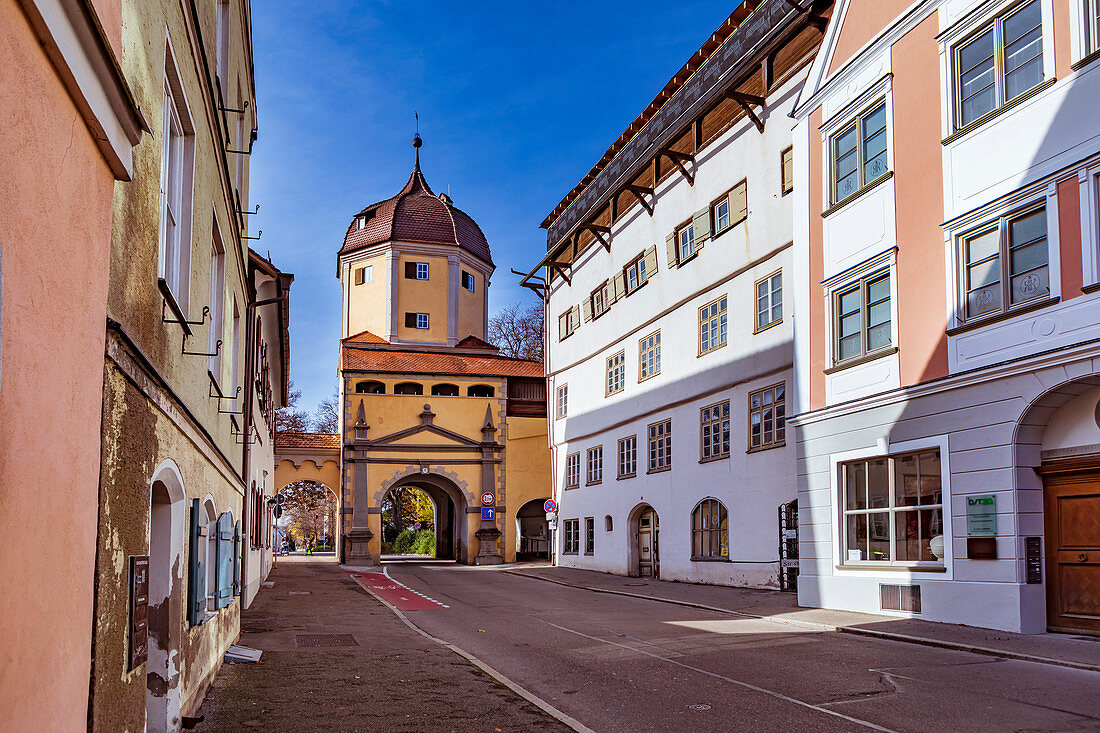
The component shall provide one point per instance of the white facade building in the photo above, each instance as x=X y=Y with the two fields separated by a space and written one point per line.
x=669 y=345
x=947 y=321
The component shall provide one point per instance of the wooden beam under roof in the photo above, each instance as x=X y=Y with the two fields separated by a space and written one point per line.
x=639 y=193
x=598 y=232
x=746 y=101
x=678 y=159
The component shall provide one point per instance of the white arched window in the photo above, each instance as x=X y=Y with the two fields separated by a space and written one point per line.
x=709 y=531
x=209 y=560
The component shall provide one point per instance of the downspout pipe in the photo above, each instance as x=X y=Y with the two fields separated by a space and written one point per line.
x=249 y=422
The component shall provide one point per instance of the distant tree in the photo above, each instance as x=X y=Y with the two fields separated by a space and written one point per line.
x=289 y=418
x=327 y=417
x=517 y=330
x=309 y=510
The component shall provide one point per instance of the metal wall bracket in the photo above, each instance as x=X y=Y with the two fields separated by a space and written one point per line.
x=259 y=233
x=237 y=111
x=241 y=438
x=223 y=397
x=180 y=318
x=217 y=349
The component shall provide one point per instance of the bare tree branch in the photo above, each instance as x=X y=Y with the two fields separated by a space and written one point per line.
x=517 y=331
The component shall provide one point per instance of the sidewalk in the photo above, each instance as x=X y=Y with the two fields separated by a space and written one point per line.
x=379 y=675
x=1058 y=649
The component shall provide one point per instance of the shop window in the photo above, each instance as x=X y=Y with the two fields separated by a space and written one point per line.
x=709 y=531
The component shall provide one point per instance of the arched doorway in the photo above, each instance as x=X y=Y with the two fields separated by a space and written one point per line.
x=644 y=554
x=533 y=531
x=309 y=516
x=449 y=504
x=409 y=522
x=1059 y=436
x=166 y=523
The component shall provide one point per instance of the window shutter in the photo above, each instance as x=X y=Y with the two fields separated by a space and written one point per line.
x=788 y=170
x=563 y=325
x=650 y=262
x=196 y=573
x=237 y=558
x=618 y=286
x=410 y=320
x=739 y=203
x=359 y=276
x=670 y=245
x=223 y=568
x=700 y=224
x=575 y=319
x=587 y=309
x=410 y=270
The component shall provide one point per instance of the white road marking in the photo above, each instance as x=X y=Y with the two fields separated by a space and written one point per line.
x=732 y=681
x=386 y=572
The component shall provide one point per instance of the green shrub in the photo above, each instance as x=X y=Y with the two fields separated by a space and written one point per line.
x=414 y=542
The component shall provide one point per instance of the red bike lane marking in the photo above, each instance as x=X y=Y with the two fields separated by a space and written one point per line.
x=397 y=595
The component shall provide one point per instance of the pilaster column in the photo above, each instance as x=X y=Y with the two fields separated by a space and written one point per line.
x=488 y=534
x=360 y=535
x=453 y=285
x=393 y=264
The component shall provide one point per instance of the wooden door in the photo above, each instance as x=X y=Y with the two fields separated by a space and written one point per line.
x=1072 y=518
x=645 y=544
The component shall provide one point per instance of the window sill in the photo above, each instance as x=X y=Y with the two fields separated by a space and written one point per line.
x=1095 y=287
x=710 y=351
x=588 y=554
x=570 y=488
x=770 y=446
x=569 y=552
x=993 y=114
x=658 y=470
x=1085 y=60
x=911 y=568
x=710 y=559
x=866 y=358
x=593 y=483
x=563 y=338
x=654 y=374
x=608 y=394
x=997 y=318
x=620 y=477
x=692 y=256
x=638 y=287
x=173 y=305
x=712 y=459
x=762 y=329
x=867 y=187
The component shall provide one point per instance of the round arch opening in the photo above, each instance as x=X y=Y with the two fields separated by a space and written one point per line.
x=449 y=504
x=310 y=510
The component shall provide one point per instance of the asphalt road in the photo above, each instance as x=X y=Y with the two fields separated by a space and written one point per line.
x=624 y=664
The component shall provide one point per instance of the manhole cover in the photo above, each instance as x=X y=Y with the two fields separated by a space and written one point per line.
x=313 y=640
x=700 y=706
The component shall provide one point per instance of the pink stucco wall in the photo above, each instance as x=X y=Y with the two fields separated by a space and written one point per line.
x=55 y=222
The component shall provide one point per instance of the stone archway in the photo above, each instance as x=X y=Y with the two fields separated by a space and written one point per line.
x=451 y=502
x=643 y=553
x=1065 y=483
x=166 y=540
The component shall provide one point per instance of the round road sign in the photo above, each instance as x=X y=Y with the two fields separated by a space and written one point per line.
x=488 y=498
x=550 y=506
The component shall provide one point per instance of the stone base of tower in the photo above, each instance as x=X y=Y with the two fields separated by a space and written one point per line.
x=357 y=542
x=487 y=553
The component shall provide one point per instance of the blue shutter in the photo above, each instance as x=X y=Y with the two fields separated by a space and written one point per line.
x=237 y=558
x=196 y=573
x=223 y=595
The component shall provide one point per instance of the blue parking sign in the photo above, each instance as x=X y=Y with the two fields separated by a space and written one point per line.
x=488 y=513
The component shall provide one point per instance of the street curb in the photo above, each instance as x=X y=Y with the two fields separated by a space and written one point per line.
x=538 y=702
x=853 y=630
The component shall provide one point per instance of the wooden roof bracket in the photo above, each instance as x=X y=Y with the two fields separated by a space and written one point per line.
x=558 y=268
x=746 y=100
x=678 y=159
x=639 y=193
x=814 y=19
x=598 y=232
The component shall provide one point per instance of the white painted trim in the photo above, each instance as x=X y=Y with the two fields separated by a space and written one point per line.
x=1089 y=197
x=70 y=36
x=168 y=473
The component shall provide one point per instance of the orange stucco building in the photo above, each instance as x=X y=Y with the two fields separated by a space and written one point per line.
x=69 y=124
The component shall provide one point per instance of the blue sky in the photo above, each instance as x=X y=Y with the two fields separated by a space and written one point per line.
x=517 y=102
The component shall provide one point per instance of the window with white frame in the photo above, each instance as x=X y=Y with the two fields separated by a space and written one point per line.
x=616 y=373
x=572 y=470
x=468 y=280
x=570 y=536
x=636 y=274
x=1092 y=26
x=217 y=305
x=714 y=431
x=175 y=189
x=364 y=274
x=628 y=456
x=660 y=446
x=710 y=531
x=862 y=318
x=720 y=214
x=599 y=300
x=421 y=270
x=998 y=62
x=563 y=400
x=769 y=301
x=1005 y=263
x=423 y=320
x=858 y=152
x=567 y=323
x=768 y=417
x=893 y=509
x=685 y=242
x=649 y=356
x=595 y=465
x=589 y=535
x=712 y=326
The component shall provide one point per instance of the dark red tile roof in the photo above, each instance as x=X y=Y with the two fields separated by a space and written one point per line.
x=416 y=214
x=307 y=440
x=473 y=342
x=393 y=361
x=365 y=337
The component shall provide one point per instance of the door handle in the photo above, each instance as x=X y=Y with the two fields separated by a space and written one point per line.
x=1083 y=556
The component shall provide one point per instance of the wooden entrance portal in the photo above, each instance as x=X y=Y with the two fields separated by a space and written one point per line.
x=649 y=562
x=1072 y=519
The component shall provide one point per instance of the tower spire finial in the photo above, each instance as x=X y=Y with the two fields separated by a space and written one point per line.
x=417 y=142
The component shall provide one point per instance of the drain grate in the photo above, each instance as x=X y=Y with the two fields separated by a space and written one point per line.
x=314 y=640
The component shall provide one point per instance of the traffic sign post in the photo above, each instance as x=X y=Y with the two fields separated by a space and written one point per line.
x=550 y=506
x=488 y=498
x=488 y=513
